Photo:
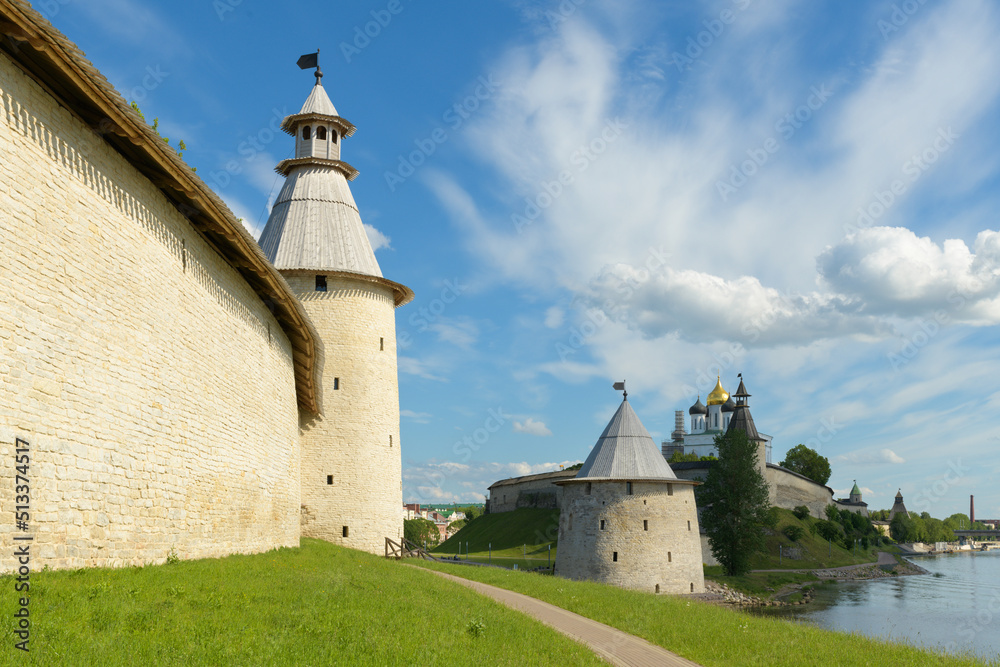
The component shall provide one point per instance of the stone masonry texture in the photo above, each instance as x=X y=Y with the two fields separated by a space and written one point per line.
x=351 y=462
x=153 y=385
x=663 y=554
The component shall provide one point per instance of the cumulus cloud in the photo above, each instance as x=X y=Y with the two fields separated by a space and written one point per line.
x=698 y=306
x=531 y=427
x=377 y=238
x=895 y=272
x=871 y=457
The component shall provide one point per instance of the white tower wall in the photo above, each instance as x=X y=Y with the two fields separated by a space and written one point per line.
x=351 y=464
x=650 y=540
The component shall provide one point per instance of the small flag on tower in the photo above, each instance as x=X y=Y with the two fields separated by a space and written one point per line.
x=309 y=60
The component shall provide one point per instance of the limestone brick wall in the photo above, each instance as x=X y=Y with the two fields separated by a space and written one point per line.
x=653 y=533
x=351 y=462
x=788 y=491
x=155 y=389
x=504 y=498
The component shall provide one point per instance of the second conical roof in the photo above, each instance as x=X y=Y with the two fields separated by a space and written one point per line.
x=625 y=451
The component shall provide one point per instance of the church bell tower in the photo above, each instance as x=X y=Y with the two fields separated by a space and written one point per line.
x=350 y=452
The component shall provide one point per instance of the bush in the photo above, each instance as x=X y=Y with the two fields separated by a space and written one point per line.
x=829 y=530
x=793 y=532
x=801 y=512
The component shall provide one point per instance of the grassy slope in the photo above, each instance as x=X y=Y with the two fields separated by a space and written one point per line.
x=705 y=633
x=509 y=532
x=817 y=552
x=319 y=604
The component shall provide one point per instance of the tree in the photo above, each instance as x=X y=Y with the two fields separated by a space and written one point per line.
x=735 y=498
x=420 y=531
x=471 y=512
x=807 y=462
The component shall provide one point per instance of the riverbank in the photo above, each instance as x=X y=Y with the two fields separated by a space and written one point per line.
x=705 y=633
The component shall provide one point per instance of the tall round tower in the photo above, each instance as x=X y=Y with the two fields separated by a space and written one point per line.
x=350 y=456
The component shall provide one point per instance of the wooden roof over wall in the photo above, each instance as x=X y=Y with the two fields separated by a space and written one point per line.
x=62 y=69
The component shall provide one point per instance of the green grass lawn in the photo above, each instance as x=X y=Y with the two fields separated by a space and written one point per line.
x=319 y=605
x=525 y=531
x=705 y=633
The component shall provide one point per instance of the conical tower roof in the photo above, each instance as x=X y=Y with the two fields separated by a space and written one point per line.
x=315 y=224
x=625 y=451
x=742 y=420
x=319 y=102
x=855 y=491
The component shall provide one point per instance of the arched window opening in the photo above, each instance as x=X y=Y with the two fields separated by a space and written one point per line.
x=306 y=132
x=321 y=133
x=333 y=137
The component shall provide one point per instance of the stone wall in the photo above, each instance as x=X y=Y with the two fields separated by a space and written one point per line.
x=153 y=385
x=649 y=540
x=351 y=463
x=789 y=490
x=509 y=495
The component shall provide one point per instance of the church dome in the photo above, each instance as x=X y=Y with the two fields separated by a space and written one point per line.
x=698 y=408
x=729 y=405
x=719 y=395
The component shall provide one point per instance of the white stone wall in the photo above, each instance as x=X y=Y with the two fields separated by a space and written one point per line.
x=664 y=554
x=504 y=498
x=788 y=491
x=154 y=387
x=356 y=440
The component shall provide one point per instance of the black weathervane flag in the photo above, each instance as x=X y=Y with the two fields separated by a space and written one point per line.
x=309 y=60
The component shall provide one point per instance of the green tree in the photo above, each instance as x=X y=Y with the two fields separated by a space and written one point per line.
x=681 y=457
x=421 y=531
x=807 y=462
x=471 y=512
x=735 y=498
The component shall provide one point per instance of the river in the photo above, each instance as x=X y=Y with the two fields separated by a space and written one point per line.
x=955 y=608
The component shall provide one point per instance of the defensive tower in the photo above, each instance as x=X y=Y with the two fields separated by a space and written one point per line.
x=350 y=451
x=626 y=519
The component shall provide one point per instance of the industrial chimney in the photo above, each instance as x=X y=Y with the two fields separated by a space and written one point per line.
x=972 y=511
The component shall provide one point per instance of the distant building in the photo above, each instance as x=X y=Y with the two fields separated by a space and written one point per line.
x=854 y=502
x=898 y=507
x=626 y=519
x=707 y=422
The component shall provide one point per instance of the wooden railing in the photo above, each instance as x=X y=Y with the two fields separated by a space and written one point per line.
x=405 y=549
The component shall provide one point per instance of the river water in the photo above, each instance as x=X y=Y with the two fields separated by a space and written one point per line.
x=955 y=608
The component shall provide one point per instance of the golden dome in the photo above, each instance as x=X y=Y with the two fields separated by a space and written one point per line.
x=718 y=395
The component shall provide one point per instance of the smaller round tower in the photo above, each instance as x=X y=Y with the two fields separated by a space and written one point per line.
x=698 y=412
x=626 y=519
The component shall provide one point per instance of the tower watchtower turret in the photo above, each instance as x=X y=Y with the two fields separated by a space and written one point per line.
x=350 y=455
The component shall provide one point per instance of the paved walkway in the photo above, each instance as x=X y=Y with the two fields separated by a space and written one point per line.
x=615 y=646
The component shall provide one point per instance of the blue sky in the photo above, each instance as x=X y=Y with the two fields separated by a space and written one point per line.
x=587 y=191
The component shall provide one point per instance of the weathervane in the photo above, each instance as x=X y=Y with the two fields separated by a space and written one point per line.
x=620 y=386
x=311 y=60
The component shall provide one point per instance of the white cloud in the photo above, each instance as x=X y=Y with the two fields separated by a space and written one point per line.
x=531 y=427
x=871 y=457
x=418 y=417
x=377 y=238
x=461 y=331
x=425 y=481
x=892 y=271
x=701 y=307
x=554 y=317
x=412 y=366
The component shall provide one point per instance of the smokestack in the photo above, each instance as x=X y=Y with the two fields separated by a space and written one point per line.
x=972 y=511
